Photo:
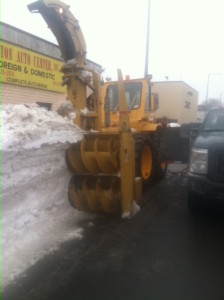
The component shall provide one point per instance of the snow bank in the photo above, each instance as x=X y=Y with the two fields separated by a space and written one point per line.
x=29 y=126
x=35 y=214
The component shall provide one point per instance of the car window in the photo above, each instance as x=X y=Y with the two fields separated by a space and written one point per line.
x=214 y=120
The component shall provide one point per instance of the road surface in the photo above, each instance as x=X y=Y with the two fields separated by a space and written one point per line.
x=162 y=253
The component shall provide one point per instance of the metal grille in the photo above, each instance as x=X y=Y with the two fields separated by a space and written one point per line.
x=217 y=165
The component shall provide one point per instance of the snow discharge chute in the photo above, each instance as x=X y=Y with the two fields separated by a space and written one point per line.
x=65 y=28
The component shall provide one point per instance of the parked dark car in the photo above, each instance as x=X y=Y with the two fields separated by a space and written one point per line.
x=206 y=166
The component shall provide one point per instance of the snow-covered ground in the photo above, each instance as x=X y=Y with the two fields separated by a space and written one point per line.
x=35 y=214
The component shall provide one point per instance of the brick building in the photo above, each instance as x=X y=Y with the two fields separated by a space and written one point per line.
x=30 y=69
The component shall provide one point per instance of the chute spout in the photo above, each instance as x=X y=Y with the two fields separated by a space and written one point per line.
x=65 y=28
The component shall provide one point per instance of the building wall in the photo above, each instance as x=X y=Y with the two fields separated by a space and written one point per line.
x=29 y=41
x=21 y=93
x=177 y=101
x=15 y=94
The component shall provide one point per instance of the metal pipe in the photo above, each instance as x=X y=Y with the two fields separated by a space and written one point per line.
x=147 y=41
x=207 y=89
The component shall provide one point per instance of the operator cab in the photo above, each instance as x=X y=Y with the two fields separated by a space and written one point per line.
x=133 y=93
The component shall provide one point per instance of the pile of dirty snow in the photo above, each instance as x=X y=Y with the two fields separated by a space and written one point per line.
x=36 y=216
x=29 y=126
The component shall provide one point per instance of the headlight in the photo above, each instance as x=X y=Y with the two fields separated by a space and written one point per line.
x=199 y=161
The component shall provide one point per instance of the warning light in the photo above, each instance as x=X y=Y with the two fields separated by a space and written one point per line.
x=60 y=10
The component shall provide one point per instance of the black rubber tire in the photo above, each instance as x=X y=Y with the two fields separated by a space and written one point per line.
x=160 y=173
x=140 y=142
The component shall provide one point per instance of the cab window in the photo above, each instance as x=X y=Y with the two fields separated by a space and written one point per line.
x=133 y=92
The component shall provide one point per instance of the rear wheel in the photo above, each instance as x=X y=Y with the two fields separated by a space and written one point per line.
x=160 y=165
x=144 y=159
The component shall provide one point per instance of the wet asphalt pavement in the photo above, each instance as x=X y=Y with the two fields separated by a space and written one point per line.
x=162 y=253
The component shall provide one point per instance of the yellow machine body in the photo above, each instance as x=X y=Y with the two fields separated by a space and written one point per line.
x=141 y=105
x=117 y=154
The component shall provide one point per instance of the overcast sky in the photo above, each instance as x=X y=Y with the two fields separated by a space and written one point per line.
x=186 y=37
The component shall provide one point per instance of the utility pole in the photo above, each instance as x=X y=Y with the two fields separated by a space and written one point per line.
x=147 y=41
x=208 y=81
